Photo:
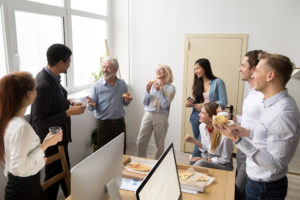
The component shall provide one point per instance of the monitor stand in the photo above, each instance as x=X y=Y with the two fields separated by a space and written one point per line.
x=113 y=190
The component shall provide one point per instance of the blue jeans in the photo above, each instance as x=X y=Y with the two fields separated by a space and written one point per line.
x=195 y=126
x=276 y=190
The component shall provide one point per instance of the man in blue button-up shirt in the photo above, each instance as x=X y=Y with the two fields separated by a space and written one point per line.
x=108 y=96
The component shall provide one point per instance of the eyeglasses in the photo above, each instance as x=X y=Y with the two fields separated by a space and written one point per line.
x=159 y=69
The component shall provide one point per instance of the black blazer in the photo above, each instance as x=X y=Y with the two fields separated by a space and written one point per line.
x=49 y=107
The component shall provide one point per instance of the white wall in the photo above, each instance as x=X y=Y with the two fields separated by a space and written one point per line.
x=157 y=29
x=119 y=42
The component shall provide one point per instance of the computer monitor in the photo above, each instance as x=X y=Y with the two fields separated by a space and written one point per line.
x=90 y=176
x=162 y=182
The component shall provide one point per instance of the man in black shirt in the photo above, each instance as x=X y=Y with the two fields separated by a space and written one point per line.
x=52 y=108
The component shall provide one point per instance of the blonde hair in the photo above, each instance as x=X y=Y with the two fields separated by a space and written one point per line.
x=169 y=77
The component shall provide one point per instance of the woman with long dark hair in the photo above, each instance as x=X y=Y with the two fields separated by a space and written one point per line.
x=206 y=88
x=21 y=152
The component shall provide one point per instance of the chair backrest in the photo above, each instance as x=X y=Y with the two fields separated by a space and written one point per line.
x=65 y=174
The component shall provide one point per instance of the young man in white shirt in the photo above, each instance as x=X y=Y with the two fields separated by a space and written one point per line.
x=276 y=133
x=252 y=108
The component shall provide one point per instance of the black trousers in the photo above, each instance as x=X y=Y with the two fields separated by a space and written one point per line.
x=54 y=169
x=109 y=129
x=24 y=188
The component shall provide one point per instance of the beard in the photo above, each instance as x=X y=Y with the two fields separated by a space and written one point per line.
x=246 y=77
x=109 y=76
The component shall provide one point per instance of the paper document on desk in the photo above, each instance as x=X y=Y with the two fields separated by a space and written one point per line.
x=130 y=184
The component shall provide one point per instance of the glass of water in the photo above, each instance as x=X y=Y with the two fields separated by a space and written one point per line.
x=82 y=100
x=54 y=129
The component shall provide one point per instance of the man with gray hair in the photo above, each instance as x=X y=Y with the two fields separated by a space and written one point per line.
x=108 y=96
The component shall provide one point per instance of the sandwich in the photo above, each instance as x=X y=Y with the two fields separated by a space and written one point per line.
x=220 y=120
x=127 y=95
x=202 y=178
x=139 y=167
x=184 y=175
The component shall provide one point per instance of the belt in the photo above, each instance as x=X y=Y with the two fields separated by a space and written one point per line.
x=112 y=120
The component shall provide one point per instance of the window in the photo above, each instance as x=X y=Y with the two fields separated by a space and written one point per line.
x=2 y=53
x=88 y=47
x=93 y=6
x=35 y=33
x=51 y=2
x=34 y=25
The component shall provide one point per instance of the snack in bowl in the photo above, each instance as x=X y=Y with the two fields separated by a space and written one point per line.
x=184 y=175
x=220 y=120
x=139 y=167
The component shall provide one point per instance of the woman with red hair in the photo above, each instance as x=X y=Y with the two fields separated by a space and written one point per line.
x=21 y=152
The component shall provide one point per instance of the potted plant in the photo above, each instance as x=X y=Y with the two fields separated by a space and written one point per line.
x=94 y=140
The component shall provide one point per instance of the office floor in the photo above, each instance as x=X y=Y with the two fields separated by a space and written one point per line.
x=294 y=180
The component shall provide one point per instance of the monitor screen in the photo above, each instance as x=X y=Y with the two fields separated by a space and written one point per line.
x=90 y=176
x=162 y=182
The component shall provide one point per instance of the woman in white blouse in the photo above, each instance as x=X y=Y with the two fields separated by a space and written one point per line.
x=21 y=152
x=216 y=149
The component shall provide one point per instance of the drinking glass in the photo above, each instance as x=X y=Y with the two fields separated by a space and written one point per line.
x=54 y=129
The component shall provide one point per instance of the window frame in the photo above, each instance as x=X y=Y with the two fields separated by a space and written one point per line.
x=9 y=7
x=6 y=38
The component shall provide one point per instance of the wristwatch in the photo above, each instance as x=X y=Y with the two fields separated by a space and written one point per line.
x=238 y=141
